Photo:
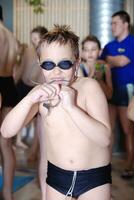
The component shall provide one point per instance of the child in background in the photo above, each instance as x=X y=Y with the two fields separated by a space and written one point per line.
x=29 y=75
x=94 y=68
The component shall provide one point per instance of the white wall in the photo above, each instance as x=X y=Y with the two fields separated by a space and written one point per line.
x=71 y=12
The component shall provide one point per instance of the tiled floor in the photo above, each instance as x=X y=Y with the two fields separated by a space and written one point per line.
x=121 y=189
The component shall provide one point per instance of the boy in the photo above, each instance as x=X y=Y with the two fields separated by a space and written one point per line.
x=77 y=132
x=92 y=67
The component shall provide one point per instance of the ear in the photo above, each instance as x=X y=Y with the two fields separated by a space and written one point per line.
x=77 y=65
x=78 y=61
x=126 y=25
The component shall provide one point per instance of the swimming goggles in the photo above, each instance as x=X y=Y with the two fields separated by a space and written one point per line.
x=64 y=64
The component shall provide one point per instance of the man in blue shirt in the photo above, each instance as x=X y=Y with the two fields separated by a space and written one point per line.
x=119 y=54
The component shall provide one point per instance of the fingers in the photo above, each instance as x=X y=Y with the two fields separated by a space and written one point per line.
x=50 y=89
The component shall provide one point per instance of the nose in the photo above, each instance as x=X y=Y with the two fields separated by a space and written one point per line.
x=89 y=53
x=57 y=70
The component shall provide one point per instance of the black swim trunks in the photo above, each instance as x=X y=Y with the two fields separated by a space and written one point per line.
x=122 y=95
x=75 y=183
x=23 y=89
x=8 y=92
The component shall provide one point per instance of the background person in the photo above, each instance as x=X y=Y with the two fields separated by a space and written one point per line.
x=8 y=50
x=92 y=67
x=28 y=75
x=119 y=54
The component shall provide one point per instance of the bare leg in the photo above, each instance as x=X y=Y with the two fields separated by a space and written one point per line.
x=128 y=128
x=19 y=142
x=54 y=194
x=34 y=149
x=8 y=158
x=9 y=161
x=102 y=193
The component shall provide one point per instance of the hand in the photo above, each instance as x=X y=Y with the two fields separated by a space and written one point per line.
x=43 y=93
x=68 y=97
x=98 y=75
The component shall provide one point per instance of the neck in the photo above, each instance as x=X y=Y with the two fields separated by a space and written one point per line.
x=91 y=64
x=123 y=36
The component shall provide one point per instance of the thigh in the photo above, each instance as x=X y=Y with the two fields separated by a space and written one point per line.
x=99 y=193
x=113 y=115
x=127 y=125
x=53 y=194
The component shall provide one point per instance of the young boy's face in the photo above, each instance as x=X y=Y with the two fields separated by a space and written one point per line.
x=90 y=51
x=53 y=58
x=35 y=38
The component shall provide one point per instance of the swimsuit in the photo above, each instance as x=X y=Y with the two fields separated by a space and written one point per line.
x=122 y=95
x=23 y=89
x=8 y=92
x=75 y=183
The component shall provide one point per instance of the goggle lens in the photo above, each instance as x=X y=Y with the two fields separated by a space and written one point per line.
x=64 y=64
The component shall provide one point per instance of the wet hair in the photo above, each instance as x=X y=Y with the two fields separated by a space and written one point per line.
x=124 y=16
x=91 y=38
x=61 y=35
x=1 y=13
x=40 y=29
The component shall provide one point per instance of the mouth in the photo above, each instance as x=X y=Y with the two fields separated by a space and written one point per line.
x=90 y=58
x=60 y=81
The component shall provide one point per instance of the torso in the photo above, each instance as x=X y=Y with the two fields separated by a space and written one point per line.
x=121 y=75
x=8 y=50
x=68 y=147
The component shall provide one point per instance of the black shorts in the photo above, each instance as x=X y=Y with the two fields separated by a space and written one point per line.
x=122 y=95
x=23 y=89
x=75 y=183
x=8 y=92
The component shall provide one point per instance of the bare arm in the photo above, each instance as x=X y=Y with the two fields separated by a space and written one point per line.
x=106 y=84
x=94 y=123
x=107 y=87
x=24 y=111
x=118 y=61
x=130 y=111
x=17 y=118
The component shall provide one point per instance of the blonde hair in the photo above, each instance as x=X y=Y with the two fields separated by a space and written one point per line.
x=62 y=35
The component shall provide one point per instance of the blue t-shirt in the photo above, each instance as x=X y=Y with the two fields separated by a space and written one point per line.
x=125 y=74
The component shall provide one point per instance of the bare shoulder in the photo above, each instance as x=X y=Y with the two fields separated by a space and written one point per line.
x=94 y=99
x=87 y=84
x=2 y=34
